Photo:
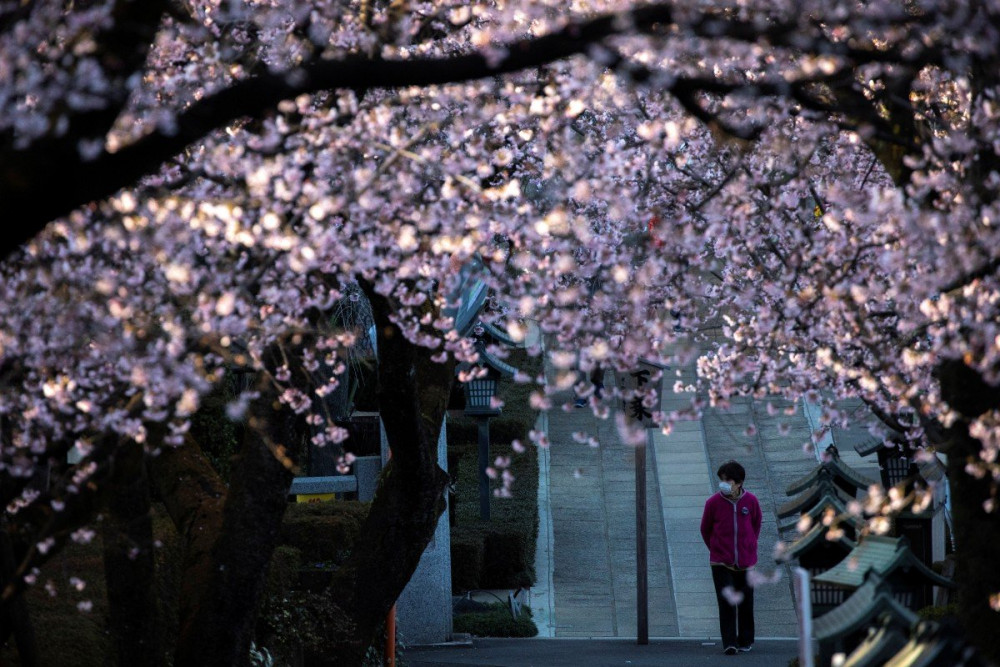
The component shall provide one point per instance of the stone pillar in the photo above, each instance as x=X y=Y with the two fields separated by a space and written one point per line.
x=423 y=611
x=366 y=470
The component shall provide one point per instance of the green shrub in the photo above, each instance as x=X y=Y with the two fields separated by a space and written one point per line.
x=508 y=538
x=496 y=621
x=301 y=623
x=505 y=559
x=466 y=560
x=323 y=531
x=218 y=435
x=169 y=559
x=69 y=637
x=66 y=636
x=283 y=571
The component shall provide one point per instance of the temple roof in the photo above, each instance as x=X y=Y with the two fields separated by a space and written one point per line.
x=816 y=537
x=494 y=362
x=883 y=555
x=931 y=470
x=834 y=468
x=815 y=513
x=805 y=501
x=884 y=640
x=500 y=335
x=869 y=446
x=933 y=644
x=870 y=600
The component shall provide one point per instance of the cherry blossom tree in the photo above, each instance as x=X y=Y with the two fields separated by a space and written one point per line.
x=817 y=179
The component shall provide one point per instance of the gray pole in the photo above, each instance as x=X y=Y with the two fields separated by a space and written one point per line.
x=641 y=581
x=484 y=462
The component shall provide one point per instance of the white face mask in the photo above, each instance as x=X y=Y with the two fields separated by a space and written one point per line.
x=726 y=488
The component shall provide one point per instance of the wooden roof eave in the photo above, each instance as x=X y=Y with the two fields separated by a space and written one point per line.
x=865 y=604
x=936 y=644
x=811 y=497
x=834 y=468
x=816 y=512
x=909 y=559
x=865 y=558
x=884 y=641
x=816 y=535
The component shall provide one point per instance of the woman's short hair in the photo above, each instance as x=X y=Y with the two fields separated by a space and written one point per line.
x=732 y=470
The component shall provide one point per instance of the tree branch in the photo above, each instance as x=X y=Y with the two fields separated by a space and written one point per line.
x=29 y=195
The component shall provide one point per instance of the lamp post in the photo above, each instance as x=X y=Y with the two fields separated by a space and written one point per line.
x=479 y=394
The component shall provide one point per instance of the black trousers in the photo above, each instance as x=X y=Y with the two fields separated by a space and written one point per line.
x=735 y=621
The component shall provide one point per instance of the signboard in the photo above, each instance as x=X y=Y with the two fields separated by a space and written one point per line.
x=314 y=497
x=634 y=385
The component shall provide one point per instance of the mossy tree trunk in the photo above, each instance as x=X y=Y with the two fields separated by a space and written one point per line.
x=413 y=395
x=220 y=629
x=128 y=560
x=194 y=496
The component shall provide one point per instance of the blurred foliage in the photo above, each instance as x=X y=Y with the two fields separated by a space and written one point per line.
x=933 y=613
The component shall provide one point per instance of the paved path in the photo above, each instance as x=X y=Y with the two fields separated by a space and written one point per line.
x=596 y=653
x=592 y=506
x=586 y=566
x=685 y=479
x=773 y=459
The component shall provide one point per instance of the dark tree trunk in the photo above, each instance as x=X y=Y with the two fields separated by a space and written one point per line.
x=15 y=616
x=194 y=496
x=220 y=630
x=413 y=395
x=128 y=561
x=977 y=532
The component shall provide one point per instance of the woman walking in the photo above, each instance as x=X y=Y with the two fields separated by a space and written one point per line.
x=730 y=526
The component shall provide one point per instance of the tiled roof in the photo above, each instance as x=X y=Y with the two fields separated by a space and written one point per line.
x=883 y=555
x=869 y=601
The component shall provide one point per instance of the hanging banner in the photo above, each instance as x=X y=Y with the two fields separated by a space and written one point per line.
x=634 y=387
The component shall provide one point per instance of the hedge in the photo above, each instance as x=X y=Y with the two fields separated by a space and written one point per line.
x=496 y=621
x=325 y=531
x=311 y=533
x=499 y=553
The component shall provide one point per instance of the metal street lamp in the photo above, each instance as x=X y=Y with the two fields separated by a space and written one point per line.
x=479 y=395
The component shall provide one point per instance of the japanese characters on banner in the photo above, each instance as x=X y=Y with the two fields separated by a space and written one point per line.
x=640 y=392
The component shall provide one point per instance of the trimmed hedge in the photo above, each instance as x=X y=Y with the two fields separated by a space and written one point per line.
x=325 y=531
x=467 y=552
x=496 y=621
x=70 y=638
x=499 y=553
x=508 y=558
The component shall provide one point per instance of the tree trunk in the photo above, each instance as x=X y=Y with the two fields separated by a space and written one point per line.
x=15 y=616
x=220 y=630
x=413 y=395
x=128 y=561
x=977 y=531
x=194 y=496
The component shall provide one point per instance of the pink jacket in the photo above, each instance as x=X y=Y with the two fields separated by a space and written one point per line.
x=731 y=528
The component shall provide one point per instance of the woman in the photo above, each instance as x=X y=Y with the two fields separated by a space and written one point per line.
x=730 y=526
